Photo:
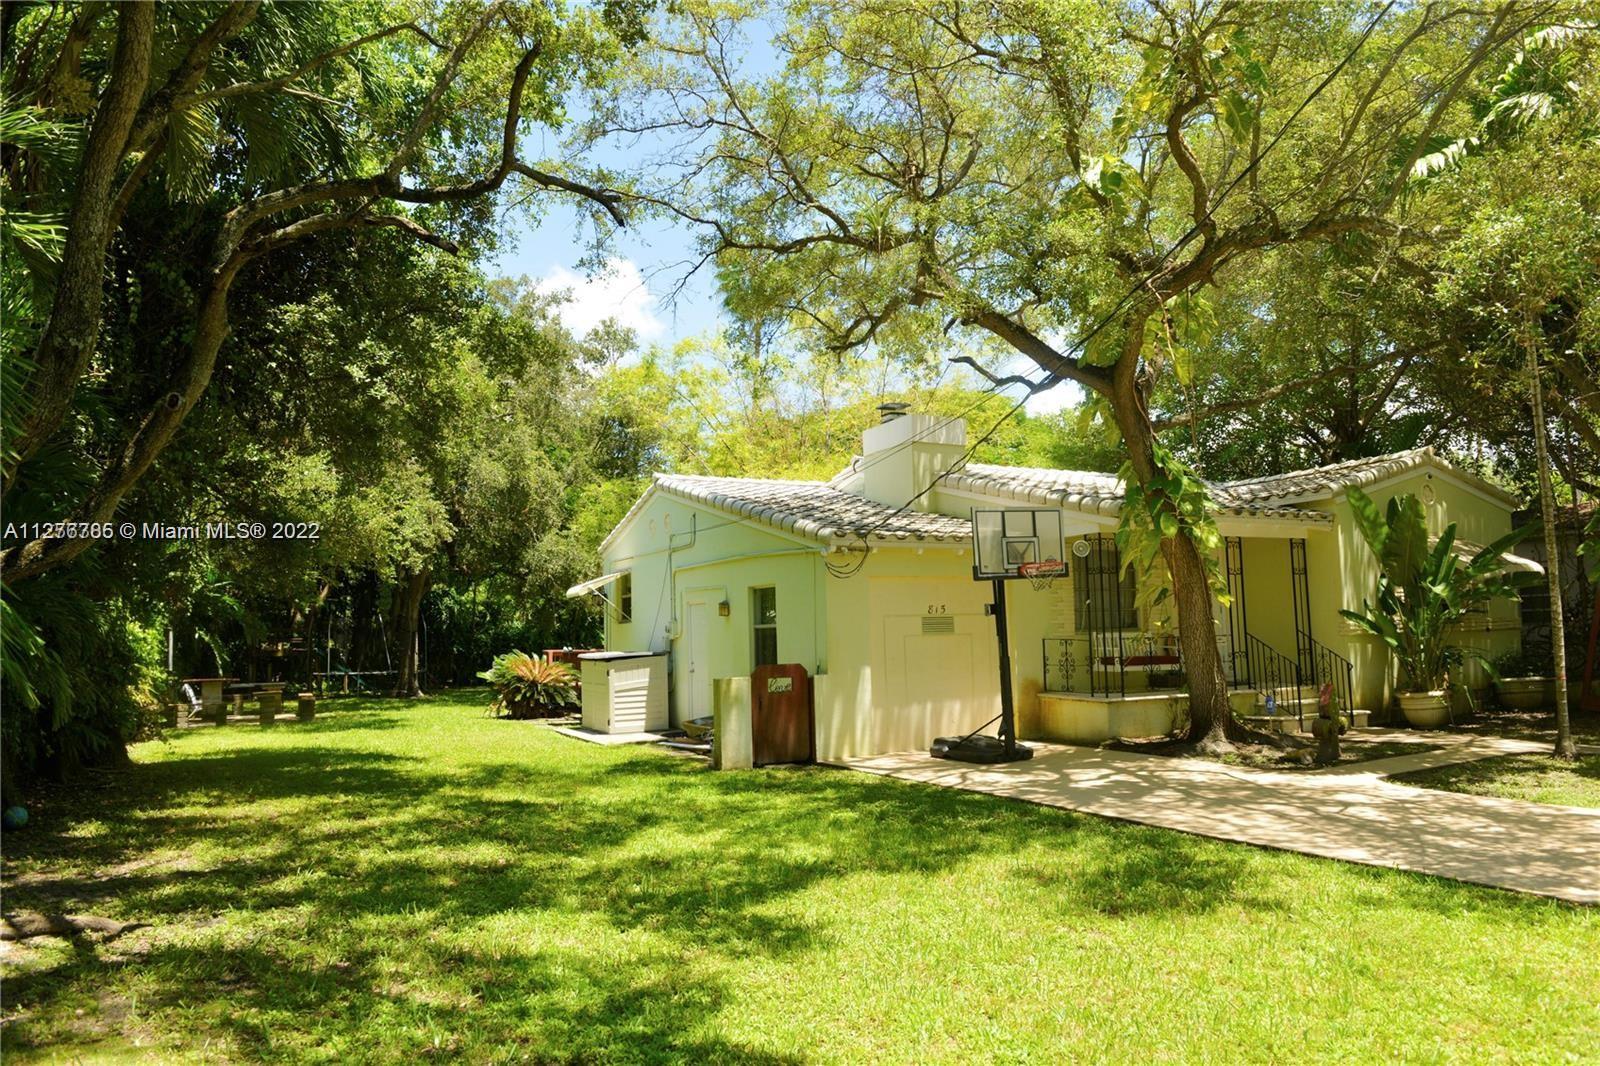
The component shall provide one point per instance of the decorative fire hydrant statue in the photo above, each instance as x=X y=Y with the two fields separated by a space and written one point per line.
x=1327 y=727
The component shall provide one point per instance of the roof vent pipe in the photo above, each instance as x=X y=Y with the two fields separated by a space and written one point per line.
x=888 y=412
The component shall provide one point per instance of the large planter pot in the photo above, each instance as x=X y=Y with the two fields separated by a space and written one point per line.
x=1425 y=710
x=1526 y=693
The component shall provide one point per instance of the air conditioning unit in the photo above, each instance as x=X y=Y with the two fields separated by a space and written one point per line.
x=624 y=691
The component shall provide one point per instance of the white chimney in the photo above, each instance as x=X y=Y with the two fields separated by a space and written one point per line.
x=903 y=453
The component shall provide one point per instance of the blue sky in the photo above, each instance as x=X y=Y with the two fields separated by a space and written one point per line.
x=649 y=259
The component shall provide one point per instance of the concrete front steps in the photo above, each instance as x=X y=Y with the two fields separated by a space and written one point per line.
x=1288 y=718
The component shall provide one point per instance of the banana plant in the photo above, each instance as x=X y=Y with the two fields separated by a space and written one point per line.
x=1424 y=589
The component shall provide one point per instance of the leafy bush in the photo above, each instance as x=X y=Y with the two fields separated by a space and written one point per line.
x=1526 y=661
x=527 y=686
x=80 y=680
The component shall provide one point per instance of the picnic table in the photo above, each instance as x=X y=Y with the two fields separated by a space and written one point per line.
x=210 y=694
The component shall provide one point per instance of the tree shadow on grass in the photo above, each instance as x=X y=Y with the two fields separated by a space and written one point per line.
x=543 y=1006
x=376 y=860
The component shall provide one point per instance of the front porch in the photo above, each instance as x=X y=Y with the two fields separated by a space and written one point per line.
x=1113 y=679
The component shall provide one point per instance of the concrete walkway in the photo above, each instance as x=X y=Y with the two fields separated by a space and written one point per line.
x=1349 y=814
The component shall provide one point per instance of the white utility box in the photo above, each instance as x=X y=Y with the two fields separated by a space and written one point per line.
x=624 y=691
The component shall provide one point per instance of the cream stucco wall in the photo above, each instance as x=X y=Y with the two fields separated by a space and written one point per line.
x=890 y=686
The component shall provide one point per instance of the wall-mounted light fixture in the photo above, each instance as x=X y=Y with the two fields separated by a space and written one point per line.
x=724 y=608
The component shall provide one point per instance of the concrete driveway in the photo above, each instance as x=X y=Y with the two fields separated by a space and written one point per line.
x=1354 y=815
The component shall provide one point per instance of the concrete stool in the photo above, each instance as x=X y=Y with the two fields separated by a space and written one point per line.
x=269 y=701
x=306 y=709
x=216 y=713
x=173 y=714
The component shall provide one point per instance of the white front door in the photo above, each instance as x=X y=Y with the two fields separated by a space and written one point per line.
x=697 y=661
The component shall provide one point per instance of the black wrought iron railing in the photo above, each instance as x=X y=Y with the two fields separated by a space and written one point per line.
x=1328 y=667
x=1275 y=675
x=1103 y=664
x=1113 y=664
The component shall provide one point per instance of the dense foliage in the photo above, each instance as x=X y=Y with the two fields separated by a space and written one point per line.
x=240 y=286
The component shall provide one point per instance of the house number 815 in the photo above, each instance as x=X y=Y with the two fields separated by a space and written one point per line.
x=936 y=608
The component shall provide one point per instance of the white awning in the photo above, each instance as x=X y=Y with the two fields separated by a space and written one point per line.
x=1466 y=549
x=594 y=584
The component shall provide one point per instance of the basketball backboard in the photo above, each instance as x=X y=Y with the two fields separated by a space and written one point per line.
x=1004 y=540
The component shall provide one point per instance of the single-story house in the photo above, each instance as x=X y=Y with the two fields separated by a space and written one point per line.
x=878 y=601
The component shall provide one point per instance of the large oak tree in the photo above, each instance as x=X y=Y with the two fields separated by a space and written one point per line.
x=1065 y=179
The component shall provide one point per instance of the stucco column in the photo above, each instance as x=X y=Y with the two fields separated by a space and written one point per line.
x=731 y=747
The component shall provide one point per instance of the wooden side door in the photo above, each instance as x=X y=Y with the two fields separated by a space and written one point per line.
x=782 y=719
x=696 y=665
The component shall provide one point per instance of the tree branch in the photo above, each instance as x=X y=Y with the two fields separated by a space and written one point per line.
x=441 y=84
x=1255 y=399
x=65 y=69
x=998 y=381
x=271 y=84
x=1035 y=348
x=610 y=199
x=190 y=71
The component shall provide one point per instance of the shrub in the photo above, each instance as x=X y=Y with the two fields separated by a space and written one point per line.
x=527 y=686
x=1525 y=662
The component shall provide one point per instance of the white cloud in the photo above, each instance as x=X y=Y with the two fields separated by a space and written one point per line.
x=1064 y=394
x=617 y=292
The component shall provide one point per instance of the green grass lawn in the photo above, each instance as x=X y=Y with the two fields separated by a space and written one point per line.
x=399 y=881
x=1540 y=778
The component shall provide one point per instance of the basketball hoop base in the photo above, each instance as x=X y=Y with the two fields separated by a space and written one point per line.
x=978 y=749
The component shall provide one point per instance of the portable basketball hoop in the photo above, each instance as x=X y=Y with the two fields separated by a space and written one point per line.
x=1007 y=545
x=1042 y=575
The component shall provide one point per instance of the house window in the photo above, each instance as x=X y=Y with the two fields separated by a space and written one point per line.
x=764 y=625
x=1104 y=595
x=625 y=597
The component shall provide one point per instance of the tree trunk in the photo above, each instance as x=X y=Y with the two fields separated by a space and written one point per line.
x=1211 y=724
x=309 y=668
x=413 y=585
x=69 y=335
x=1565 y=748
x=154 y=432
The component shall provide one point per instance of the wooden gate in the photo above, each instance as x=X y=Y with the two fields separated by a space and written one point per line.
x=782 y=720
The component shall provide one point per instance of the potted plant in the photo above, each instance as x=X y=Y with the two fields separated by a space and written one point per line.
x=1422 y=591
x=527 y=686
x=1524 y=679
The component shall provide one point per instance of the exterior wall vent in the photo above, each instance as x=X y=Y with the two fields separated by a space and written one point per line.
x=941 y=623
